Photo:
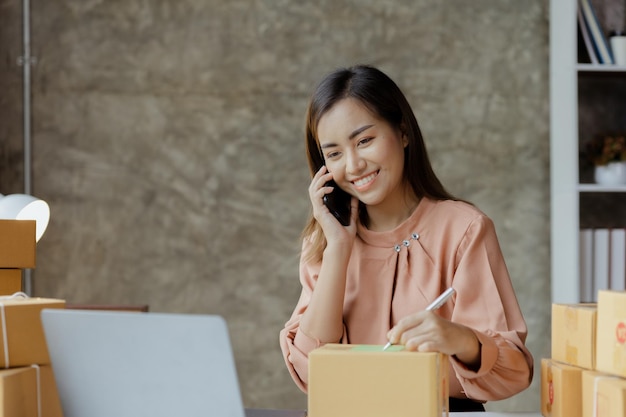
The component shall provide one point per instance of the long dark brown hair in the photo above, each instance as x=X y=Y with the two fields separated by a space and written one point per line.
x=382 y=97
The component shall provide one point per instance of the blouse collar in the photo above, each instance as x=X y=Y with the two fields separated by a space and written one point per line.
x=407 y=230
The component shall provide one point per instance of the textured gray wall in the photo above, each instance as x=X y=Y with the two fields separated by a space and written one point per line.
x=168 y=142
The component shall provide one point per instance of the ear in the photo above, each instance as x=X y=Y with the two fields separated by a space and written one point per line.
x=405 y=137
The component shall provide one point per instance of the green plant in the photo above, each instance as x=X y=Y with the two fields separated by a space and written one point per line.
x=606 y=148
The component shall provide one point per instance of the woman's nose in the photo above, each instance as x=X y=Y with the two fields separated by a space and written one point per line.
x=354 y=163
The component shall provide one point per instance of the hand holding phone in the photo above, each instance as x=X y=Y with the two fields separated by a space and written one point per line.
x=338 y=203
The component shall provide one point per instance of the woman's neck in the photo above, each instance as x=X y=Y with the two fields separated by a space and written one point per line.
x=388 y=216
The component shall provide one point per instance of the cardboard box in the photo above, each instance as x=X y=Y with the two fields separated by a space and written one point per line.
x=610 y=396
x=24 y=332
x=17 y=243
x=20 y=388
x=561 y=389
x=365 y=381
x=611 y=333
x=574 y=334
x=10 y=281
x=588 y=391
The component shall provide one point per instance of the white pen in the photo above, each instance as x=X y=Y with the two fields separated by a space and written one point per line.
x=439 y=301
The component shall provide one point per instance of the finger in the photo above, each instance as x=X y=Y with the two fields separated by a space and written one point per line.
x=408 y=322
x=317 y=187
x=320 y=193
x=321 y=187
x=435 y=335
x=323 y=170
x=321 y=182
x=422 y=344
x=394 y=335
x=397 y=336
x=322 y=174
x=354 y=206
x=418 y=334
x=421 y=323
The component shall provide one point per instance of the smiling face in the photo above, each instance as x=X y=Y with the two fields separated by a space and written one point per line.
x=364 y=153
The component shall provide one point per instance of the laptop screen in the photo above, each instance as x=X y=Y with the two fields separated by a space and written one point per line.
x=127 y=364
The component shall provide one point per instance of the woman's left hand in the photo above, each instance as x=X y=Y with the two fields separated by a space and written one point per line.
x=425 y=331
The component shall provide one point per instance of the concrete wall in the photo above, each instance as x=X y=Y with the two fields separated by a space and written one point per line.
x=168 y=142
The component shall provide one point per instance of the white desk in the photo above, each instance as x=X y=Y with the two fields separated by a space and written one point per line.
x=252 y=412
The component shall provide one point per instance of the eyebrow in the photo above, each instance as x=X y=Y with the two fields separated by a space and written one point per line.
x=352 y=135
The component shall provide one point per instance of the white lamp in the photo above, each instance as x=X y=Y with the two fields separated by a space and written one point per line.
x=25 y=207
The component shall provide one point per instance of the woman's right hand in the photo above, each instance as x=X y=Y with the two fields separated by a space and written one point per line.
x=323 y=318
x=334 y=231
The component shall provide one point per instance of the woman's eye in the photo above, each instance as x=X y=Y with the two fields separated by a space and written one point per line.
x=365 y=141
x=331 y=155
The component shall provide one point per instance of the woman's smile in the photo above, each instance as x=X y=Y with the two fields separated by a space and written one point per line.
x=364 y=182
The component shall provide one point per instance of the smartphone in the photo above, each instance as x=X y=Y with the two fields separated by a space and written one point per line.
x=338 y=202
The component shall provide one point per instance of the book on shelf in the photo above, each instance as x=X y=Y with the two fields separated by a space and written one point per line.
x=586 y=265
x=617 y=266
x=601 y=247
x=596 y=33
x=585 y=44
x=602 y=261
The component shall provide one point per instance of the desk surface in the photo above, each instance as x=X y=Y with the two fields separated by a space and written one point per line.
x=254 y=412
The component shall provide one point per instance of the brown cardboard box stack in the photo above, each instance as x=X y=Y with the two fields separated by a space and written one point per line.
x=27 y=386
x=586 y=375
x=365 y=381
x=17 y=252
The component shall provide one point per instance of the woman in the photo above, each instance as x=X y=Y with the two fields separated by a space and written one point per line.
x=407 y=241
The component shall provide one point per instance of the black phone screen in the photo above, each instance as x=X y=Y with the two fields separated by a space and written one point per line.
x=338 y=203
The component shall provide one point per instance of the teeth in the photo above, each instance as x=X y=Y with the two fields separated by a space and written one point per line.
x=362 y=181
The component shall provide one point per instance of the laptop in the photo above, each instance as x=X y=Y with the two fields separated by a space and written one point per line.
x=126 y=364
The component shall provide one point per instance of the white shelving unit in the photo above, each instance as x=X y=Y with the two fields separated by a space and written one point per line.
x=564 y=171
x=564 y=213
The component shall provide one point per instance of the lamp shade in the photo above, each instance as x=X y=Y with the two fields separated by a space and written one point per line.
x=25 y=207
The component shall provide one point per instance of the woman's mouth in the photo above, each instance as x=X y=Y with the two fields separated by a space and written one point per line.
x=365 y=181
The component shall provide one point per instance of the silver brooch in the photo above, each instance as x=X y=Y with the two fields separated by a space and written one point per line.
x=406 y=243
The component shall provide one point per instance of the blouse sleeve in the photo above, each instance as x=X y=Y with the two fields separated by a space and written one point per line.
x=486 y=302
x=294 y=343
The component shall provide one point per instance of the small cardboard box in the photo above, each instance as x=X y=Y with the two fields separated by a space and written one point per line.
x=561 y=389
x=365 y=381
x=10 y=281
x=24 y=334
x=588 y=391
x=610 y=397
x=611 y=333
x=574 y=334
x=24 y=389
x=17 y=243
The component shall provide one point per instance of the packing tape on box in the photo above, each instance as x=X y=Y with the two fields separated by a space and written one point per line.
x=5 y=338
x=38 y=389
x=595 y=391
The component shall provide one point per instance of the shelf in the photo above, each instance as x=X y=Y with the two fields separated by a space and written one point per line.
x=585 y=99
x=596 y=188
x=600 y=68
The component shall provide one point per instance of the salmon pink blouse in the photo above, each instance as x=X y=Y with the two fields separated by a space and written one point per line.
x=399 y=272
